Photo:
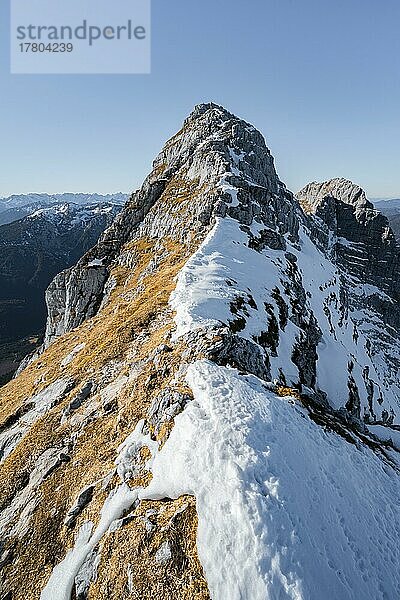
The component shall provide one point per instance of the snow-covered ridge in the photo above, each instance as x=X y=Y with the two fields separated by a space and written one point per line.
x=225 y=269
x=286 y=510
x=297 y=535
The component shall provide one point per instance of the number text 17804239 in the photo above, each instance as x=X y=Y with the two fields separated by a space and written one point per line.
x=51 y=47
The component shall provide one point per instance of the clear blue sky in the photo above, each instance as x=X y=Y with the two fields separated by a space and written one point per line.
x=319 y=78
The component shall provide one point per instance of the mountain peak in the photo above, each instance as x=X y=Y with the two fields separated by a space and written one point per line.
x=217 y=165
x=207 y=364
x=313 y=194
x=355 y=232
x=214 y=145
x=202 y=108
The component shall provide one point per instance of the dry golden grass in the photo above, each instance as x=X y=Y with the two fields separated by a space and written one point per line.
x=283 y=391
x=110 y=336
x=134 y=547
x=121 y=339
x=36 y=377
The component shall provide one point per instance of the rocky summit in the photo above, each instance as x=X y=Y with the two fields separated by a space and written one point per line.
x=215 y=409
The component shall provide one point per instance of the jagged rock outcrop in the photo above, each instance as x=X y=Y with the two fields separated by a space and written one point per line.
x=363 y=242
x=358 y=238
x=215 y=362
x=313 y=194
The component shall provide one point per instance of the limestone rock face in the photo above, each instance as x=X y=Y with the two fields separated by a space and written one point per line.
x=358 y=239
x=218 y=363
x=363 y=240
x=391 y=210
x=313 y=194
x=73 y=296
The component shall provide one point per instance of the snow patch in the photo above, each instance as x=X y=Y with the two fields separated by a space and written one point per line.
x=286 y=510
x=70 y=357
x=61 y=582
x=163 y=554
x=96 y=262
x=38 y=405
x=130 y=448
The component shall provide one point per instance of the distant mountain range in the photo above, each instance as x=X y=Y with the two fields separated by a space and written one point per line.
x=19 y=206
x=391 y=209
x=56 y=232
x=387 y=205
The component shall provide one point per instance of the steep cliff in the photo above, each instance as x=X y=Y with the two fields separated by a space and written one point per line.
x=215 y=411
x=363 y=242
x=32 y=251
